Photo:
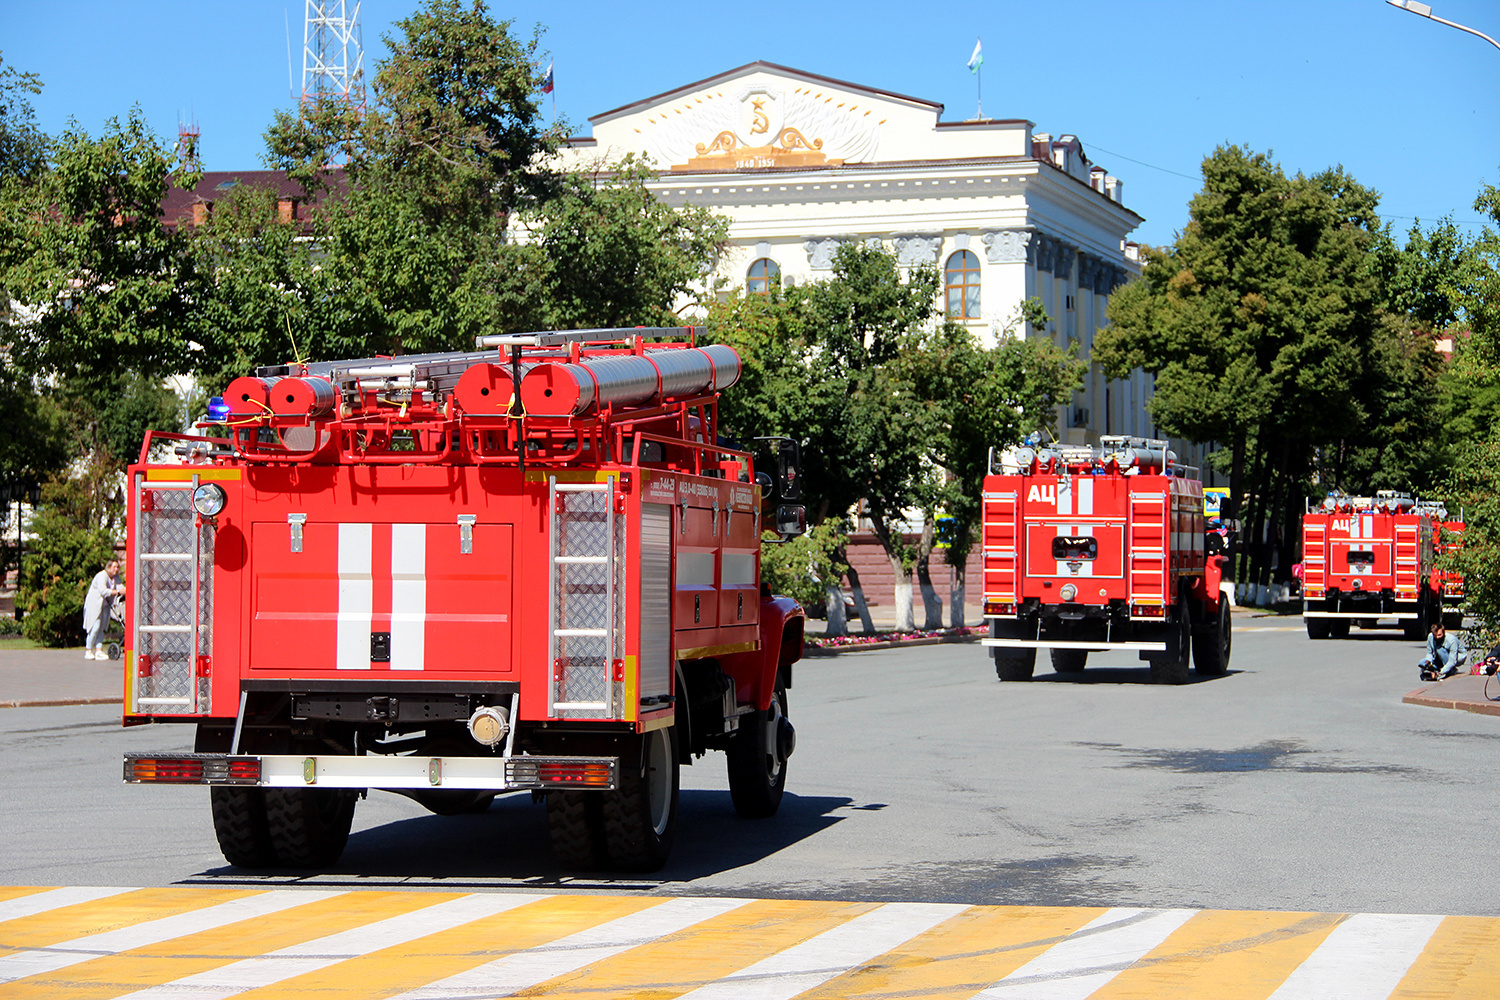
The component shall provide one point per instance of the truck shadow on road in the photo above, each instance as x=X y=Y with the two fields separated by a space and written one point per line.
x=507 y=846
x=1123 y=675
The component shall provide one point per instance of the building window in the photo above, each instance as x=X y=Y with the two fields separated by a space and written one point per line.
x=961 y=282
x=764 y=273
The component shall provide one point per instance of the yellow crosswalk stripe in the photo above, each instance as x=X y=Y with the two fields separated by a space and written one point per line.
x=1460 y=962
x=303 y=944
x=139 y=968
x=392 y=971
x=111 y=913
x=1228 y=955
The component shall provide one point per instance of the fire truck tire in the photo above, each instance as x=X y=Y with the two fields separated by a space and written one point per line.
x=757 y=762
x=309 y=826
x=640 y=817
x=1338 y=628
x=1015 y=665
x=1172 y=667
x=1453 y=620
x=575 y=821
x=240 y=825
x=1069 y=661
x=1317 y=628
x=1211 y=647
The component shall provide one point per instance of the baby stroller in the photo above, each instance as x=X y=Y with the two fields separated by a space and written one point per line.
x=114 y=632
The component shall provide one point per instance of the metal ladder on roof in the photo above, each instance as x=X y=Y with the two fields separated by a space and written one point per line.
x=583 y=601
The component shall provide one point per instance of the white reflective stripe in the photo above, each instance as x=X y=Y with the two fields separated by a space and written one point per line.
x=832 y=953
x=408 y=596
x=356 y=597
x=523 y=970
x=278 y=966
x=60 y=956
x=1085 y=496
x=53 y=899
x=1064 y=495
x=1365 y=956
x=1091 y=956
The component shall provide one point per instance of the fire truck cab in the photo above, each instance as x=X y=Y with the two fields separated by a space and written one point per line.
x=1100 y=548
x=1368 y=558
x=534 y=566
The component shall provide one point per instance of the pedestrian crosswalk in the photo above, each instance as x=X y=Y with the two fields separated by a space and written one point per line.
x=195 y=943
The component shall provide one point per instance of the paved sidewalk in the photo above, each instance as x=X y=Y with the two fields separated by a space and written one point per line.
x=1464 y=692
x=57 y=677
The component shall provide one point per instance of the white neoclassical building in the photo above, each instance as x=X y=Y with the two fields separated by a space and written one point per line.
x=801 y=164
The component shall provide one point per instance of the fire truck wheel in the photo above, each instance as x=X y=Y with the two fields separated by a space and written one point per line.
x=1211 y=648
x=1016 y=665
x=1453 y=620
x=1172 y=667
x=1338 y=628
x=757 y=761
x=1069 y=661
x=575 y=822
x=240 y=824
x=309 y=826
x=640 y=817
x=1317 y=628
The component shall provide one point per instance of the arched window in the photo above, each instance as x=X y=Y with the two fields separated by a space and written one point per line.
x=961 y=283
x=762 y=275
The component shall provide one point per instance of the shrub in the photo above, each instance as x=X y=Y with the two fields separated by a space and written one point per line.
x=58 y=566
x=798 y=568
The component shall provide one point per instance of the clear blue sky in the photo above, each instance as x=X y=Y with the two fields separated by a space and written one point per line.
x=1149 y=86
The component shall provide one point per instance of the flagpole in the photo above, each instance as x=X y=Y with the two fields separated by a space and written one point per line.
x=979 y=92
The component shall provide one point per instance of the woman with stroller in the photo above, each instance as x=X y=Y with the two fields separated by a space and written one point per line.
x=97 y=605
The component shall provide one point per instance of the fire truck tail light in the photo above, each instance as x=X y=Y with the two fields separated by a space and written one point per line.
x=1147 y=611
x=192 y=769
x=998 y=608
x=563 y=772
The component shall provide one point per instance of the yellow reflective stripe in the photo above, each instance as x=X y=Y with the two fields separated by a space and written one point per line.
x=426 y=960
x=1225 y=954
x=125 y=910
x=140 y=968
x=1461 y=962
x=706 y=952
x=185 y=474
x=961 y=956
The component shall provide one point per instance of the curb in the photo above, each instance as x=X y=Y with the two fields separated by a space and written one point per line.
x=809 y=651
x=52 y=702
x=1423 y=697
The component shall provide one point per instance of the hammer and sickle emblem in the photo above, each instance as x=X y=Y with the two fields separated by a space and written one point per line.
x=761 y=122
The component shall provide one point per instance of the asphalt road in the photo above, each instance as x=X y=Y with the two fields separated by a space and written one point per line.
x=1299 y=782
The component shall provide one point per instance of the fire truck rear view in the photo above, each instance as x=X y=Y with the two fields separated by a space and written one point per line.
x=529 y=567
x=1367 y=558
x=1099 y=549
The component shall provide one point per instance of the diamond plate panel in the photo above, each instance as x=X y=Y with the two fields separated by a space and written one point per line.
x=165 y=599
x=581 y=600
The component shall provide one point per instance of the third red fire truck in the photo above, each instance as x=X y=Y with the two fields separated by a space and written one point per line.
x=534 y=566
x=1368 y=558
x=1101 y=548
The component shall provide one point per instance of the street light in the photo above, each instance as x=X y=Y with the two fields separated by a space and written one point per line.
x=1425 y=10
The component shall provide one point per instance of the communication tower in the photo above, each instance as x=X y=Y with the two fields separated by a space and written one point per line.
x=333 y=55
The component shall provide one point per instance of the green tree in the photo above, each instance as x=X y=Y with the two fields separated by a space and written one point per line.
x=68 y=549
x=1259 y=324
x=23 y=146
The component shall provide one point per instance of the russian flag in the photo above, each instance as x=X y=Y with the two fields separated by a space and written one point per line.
x=547 y=80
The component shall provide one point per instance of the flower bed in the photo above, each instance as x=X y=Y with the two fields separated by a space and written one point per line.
x=882 y=638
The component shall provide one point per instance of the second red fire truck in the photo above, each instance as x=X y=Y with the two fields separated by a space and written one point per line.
x=530 y=567
x=1101 y=548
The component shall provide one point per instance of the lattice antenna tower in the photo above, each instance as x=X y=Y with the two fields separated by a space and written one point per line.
x=333 y=54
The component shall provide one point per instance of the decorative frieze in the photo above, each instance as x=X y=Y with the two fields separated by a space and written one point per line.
x=1008 y=246
x=820 y=251
x=914 y=251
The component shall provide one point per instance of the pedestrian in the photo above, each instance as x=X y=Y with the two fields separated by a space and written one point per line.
x=1445 y=654
x=103 y=590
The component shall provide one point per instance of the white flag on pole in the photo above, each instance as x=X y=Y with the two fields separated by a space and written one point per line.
x=977 y=59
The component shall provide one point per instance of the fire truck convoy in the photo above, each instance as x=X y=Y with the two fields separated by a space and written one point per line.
x=531 y=566
x=1367 y=558
x=1101 y=548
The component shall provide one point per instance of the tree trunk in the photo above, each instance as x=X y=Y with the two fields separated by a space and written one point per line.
x=957 y=597
x=861 y=607
x=932 y=604
x=894 y=551
x=833 y=594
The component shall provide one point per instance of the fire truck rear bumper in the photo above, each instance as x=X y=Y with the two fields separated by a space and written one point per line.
x=1154 y=647
x=1372 y=613
x=373 y=771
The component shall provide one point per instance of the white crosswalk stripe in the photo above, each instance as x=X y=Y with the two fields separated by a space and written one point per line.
x=1363 y=958
x=1091 y=956
x=514 y=973
x=52 y=899
x=285 y=963
x=39 y=960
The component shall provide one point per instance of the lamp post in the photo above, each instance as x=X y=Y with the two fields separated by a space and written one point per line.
x=1425 y=10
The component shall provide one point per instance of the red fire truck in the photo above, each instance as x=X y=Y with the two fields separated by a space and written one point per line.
x=1101 y=548
x=1368 y=558
x=1446 y=584
x=529 y=567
